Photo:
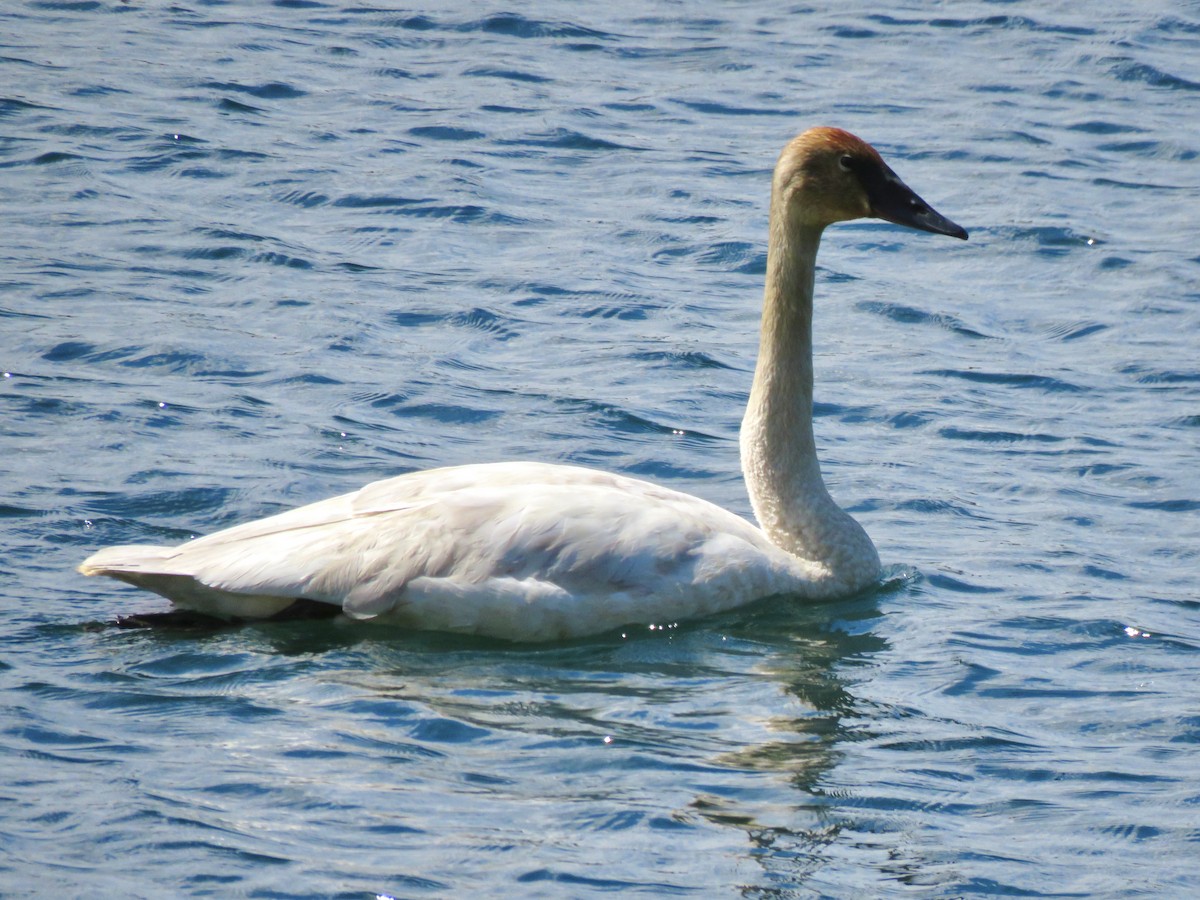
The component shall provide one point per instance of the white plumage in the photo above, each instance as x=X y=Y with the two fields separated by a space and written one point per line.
x=524 y=551
x=531 y=551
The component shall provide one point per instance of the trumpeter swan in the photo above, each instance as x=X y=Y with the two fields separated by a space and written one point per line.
x=533 y=551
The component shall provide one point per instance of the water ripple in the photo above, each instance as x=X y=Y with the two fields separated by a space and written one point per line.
x=256 y=259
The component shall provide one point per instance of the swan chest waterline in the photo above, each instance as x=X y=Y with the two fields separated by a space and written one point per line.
x=529 y=551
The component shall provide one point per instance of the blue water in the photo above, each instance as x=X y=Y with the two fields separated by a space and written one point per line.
x=257 y=254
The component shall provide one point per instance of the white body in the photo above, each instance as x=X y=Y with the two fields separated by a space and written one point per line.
x=523 y=551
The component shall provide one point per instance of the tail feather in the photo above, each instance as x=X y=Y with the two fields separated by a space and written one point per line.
x=129 y=558
x=151 y=567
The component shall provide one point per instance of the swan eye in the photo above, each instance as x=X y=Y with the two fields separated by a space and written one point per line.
x=846 y=163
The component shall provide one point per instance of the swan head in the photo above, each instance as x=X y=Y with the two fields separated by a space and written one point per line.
x=828 y=175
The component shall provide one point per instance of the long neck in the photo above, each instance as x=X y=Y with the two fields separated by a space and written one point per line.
x=779 y=456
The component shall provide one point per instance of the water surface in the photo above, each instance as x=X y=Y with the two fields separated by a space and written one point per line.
x=256 y=255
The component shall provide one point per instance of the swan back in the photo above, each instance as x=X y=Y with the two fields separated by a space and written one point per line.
x=523 y=551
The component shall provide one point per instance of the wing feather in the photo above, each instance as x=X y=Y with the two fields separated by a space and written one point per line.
x=510 y=549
